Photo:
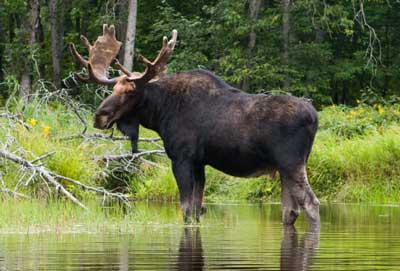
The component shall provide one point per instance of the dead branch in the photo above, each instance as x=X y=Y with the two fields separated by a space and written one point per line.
x=99 y=190
x=52 y=178
x=128 y=155
x=374 y=48
x=45 y=173
x=13 y=193
x=108 y=137
x=15 y=118
x=8 y=191
x=43 y=157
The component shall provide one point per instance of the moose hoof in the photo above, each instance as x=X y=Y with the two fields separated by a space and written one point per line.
x=290 y=216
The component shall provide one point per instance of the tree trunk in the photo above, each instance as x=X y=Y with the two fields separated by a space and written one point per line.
x=56 y=20
x=31 y=27
x=285 y=34
x=254 y=9
x=130 y=35
x=3 y=37
x=40 y=37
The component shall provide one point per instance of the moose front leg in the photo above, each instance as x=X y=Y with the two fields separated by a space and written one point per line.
x=183 y=172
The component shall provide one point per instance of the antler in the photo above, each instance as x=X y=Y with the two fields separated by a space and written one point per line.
x=101 y=55
x=104 y=51
x=157 y=66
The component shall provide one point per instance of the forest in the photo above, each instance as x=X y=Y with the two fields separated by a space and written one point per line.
x=342 y=55
x=333 y=52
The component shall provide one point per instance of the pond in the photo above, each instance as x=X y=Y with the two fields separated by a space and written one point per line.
x=242 y=237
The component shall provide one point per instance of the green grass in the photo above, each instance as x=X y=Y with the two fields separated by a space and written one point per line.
x=55 y=215
x=361 y=169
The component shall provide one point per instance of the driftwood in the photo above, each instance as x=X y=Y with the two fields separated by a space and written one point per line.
x=52 y=178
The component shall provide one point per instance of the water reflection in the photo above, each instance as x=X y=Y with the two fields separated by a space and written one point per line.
x=190 y=255
x=295 y=254
x=298 y=255
x=231 y=237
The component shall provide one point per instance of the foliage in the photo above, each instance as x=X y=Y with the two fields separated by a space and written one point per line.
x=332 y=55
x=363 y=119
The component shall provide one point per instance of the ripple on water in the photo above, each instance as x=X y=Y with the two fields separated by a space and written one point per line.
x=248 y=237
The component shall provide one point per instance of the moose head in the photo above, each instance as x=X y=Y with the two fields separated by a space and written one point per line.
x=127 y=87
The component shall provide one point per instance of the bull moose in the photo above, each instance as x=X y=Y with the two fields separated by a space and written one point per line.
x=204 y=121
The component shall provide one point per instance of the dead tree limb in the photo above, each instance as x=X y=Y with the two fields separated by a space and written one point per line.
x=128 y=155
x=15 y=118
x=108 y=137
x=53 y=177
x=99 y=190
x=8 y=191
x=46 y=174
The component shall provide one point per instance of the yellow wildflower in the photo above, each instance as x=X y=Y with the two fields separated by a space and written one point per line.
x=380 y=110
x=32 y=122
x=45 y=130
x=358 y=101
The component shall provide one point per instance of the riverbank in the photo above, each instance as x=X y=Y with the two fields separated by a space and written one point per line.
x=355 y=159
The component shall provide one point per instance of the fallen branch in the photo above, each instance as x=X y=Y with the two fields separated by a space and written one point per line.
x=52 y=177
x=128 y=156
x=8 y=191
x=13 y=193
x=99 y=190
x=108 y=137
x=43 y=157
x=46 y=174
x=14 y=118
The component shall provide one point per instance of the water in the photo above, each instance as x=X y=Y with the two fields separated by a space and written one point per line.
x=231 y=237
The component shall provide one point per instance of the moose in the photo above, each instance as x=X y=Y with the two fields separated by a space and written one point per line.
x=204 y=121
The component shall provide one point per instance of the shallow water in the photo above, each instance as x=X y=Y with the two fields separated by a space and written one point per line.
x=241 y=237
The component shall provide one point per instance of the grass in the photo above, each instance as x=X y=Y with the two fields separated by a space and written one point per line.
x=355 y=159
x=55 y=215
x=361 y=169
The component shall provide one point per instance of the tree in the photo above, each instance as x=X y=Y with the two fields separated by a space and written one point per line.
x=31 y=33
x=57 y=31
x=130 y=35
x=285 y=36
x=254 y=9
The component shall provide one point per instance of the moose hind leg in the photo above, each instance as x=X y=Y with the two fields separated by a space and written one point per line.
x=301 y=191
x=290 y=207
x=198 y=192
x=183 y=172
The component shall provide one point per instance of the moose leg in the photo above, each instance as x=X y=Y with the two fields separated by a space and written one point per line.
x=290 y=207
x=198 y=192
x=183 y=172
x=301 y=192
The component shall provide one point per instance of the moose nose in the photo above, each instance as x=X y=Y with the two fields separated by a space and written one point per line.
x=100 y=122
